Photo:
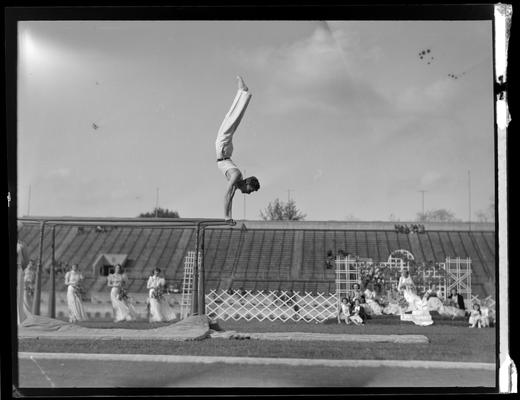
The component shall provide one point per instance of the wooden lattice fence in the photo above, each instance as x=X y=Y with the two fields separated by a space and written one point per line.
x=271 y=306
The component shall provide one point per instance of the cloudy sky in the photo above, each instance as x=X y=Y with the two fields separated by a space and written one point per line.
x=345 y=118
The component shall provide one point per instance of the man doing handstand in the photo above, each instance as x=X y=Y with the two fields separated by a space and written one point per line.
x=224 y=147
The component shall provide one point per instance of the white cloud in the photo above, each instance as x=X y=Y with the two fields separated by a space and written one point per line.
x=318 y=73
x=433 y=98
x=59 y=173
x=430 y=178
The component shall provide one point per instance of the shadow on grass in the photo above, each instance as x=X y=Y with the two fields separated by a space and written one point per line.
x=396 y=320
x=123 y=324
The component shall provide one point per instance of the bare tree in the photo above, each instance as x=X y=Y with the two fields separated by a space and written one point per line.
x=487 y=215
x=277 y=210
x=159 y=212
x=440 y=215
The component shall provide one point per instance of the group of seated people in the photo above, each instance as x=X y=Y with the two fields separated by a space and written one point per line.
x=352 y=311
x=413 y=228
x=359 y=305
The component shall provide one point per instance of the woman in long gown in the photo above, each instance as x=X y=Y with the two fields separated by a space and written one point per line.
x=434 y=303
x=356 y=293
x=160 y=310
x=123 y=309
x=22 y=258
x=29 y=278
x=73 y=280
x=420 y=314
x=370 y=298
x=391 y=304
x=407 y=288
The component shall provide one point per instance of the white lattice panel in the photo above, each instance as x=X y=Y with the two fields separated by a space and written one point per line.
x=433 y=275
x=458 y=276
x=270 y=306
x=347 y=275
x=187 y=283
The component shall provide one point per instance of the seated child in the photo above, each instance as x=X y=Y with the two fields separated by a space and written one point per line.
x=345 y=310
x=358 y=317
x=475 y=316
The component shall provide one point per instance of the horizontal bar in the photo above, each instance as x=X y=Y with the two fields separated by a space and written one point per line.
x=108 y=224
x=217 y=223
x=121 y=225
x=120 y=219
x=125 y=221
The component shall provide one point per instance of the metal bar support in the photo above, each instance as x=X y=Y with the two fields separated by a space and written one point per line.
x=38 y=288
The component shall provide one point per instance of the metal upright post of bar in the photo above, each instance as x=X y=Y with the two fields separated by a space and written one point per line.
x=51 y=312
x=38 y=289
x=201 y=285
x=196 y=276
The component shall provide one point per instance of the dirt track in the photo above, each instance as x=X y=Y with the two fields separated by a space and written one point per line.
x=47 y=373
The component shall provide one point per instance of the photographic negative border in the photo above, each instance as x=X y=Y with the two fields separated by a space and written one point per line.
x=500 y=14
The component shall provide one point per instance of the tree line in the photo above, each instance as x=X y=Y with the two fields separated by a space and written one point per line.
x=278 y=210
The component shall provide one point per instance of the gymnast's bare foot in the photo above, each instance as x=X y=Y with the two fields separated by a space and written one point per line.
x=241 y=84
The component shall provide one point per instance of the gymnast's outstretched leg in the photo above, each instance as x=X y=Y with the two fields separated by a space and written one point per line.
x=224 y=149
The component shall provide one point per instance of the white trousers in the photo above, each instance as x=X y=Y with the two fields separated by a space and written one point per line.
x=224 y=142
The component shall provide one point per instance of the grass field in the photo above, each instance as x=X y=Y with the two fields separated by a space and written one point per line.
x=450 y=340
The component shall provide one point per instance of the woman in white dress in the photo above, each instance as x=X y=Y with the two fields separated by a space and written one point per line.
x=434 y=303
x=420 y=314
x=407 y=288
x=450 y=311
x=29 y=278
x=356 y=292
x=160 y=310
x=73 y=280
x=391 y=304
x=123 y=309
x=22 y=258
x=370 y=298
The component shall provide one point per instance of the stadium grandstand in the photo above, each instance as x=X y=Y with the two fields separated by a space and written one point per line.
x=257 y=255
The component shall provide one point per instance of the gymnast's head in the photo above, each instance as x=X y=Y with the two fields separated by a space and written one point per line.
x=249 y=185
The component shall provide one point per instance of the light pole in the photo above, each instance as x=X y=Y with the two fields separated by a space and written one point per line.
x=423 y=191
x=29 y=202
x=469 y=199
x=156 y=202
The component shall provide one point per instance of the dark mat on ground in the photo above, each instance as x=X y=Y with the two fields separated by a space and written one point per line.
x=191 y=328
